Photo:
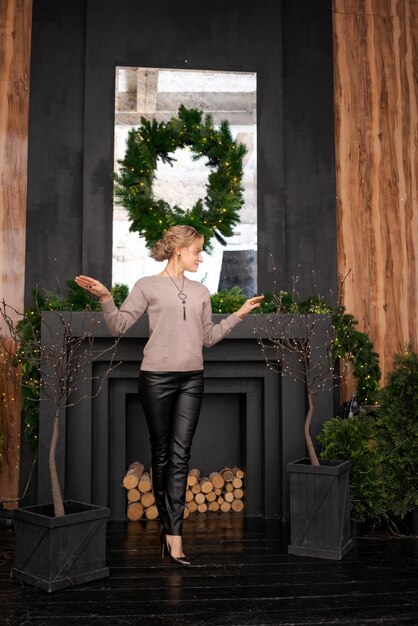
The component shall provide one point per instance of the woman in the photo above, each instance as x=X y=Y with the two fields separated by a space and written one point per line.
x=171 y=375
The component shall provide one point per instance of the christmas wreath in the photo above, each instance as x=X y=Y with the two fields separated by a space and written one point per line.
x=213 y=216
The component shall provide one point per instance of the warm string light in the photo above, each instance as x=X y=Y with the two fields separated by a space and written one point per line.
x=199 y=138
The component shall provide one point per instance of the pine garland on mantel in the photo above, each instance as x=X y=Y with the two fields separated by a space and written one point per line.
x=213 y=216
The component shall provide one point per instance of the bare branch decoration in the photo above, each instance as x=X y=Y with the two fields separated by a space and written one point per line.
x=301 y=346
x=61 y=358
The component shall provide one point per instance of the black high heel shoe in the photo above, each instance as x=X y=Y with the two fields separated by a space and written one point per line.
x=174 y=560
x=163 y=544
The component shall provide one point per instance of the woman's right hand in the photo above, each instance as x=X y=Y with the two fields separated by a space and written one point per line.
x=94 y=287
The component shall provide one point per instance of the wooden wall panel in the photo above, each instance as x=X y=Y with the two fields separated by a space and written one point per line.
x=15 y=32
x=376 y=127
x=10 y=403
x=15 y=35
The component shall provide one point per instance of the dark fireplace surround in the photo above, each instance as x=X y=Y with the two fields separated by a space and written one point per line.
x=251 y=417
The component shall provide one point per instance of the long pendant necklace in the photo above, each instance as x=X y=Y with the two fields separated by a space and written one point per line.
x=181 y=294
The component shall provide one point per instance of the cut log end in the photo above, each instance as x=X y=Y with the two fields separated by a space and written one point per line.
x=237 y=506
x=193 y=477
x=145 y=483
x=135 y=511
x=151 y=512
x=133 y=475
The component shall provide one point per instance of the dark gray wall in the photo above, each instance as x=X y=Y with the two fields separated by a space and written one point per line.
x=76 y=45
x=56 y=143
x=309 y=174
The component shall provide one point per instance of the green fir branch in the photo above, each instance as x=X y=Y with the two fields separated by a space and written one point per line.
x=217 y=213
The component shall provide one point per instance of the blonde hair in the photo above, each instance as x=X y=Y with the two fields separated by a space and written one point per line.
x=180 y=236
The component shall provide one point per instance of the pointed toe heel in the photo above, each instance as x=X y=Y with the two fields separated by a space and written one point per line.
x=181 y=561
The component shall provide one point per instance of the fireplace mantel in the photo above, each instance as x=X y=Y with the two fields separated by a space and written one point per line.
x=241 y=394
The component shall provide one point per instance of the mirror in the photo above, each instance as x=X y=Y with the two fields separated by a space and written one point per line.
x=157 y=94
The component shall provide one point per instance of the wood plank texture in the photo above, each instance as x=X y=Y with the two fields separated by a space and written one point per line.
x=241 y=574
x=10 y=402
x=376 y=129
x=15 y=34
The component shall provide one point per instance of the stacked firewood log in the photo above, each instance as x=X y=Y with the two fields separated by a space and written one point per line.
x=220 y=491
x=138 y=485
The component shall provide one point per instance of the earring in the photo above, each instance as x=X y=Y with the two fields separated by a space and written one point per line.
x=178 y=258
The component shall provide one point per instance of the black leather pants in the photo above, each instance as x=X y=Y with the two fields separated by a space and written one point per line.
x=171 y=402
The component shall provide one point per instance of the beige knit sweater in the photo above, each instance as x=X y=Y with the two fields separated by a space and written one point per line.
x=174 y=344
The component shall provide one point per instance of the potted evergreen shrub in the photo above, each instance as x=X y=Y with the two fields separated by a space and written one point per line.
x=59 y=543
x=398 y=437
x=303 y=346
x=383 y=448
x=357 y=438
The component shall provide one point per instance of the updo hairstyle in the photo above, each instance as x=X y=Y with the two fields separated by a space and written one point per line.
x=180 y=236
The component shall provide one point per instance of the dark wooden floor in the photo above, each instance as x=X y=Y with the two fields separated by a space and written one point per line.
x=241 y=574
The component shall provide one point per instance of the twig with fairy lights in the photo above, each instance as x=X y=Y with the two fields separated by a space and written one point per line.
x=301 y=346
x=62 y=359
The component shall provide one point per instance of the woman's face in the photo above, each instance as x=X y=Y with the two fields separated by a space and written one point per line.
x=191 y=256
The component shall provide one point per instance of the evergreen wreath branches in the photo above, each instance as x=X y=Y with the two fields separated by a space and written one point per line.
x=216 y=214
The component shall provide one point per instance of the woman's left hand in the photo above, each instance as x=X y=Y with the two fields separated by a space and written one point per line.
x=249 y=305
x=93 y=286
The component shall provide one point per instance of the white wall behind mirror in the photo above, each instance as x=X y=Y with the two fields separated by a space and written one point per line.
x=158 y=93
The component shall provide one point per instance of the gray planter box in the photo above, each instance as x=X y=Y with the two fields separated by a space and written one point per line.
x=412 y=521
x=319 y=509
x=57 y=552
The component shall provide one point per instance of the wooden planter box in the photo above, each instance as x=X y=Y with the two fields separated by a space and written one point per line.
x=57 y=552
x=319 y=509
x=412 y=521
